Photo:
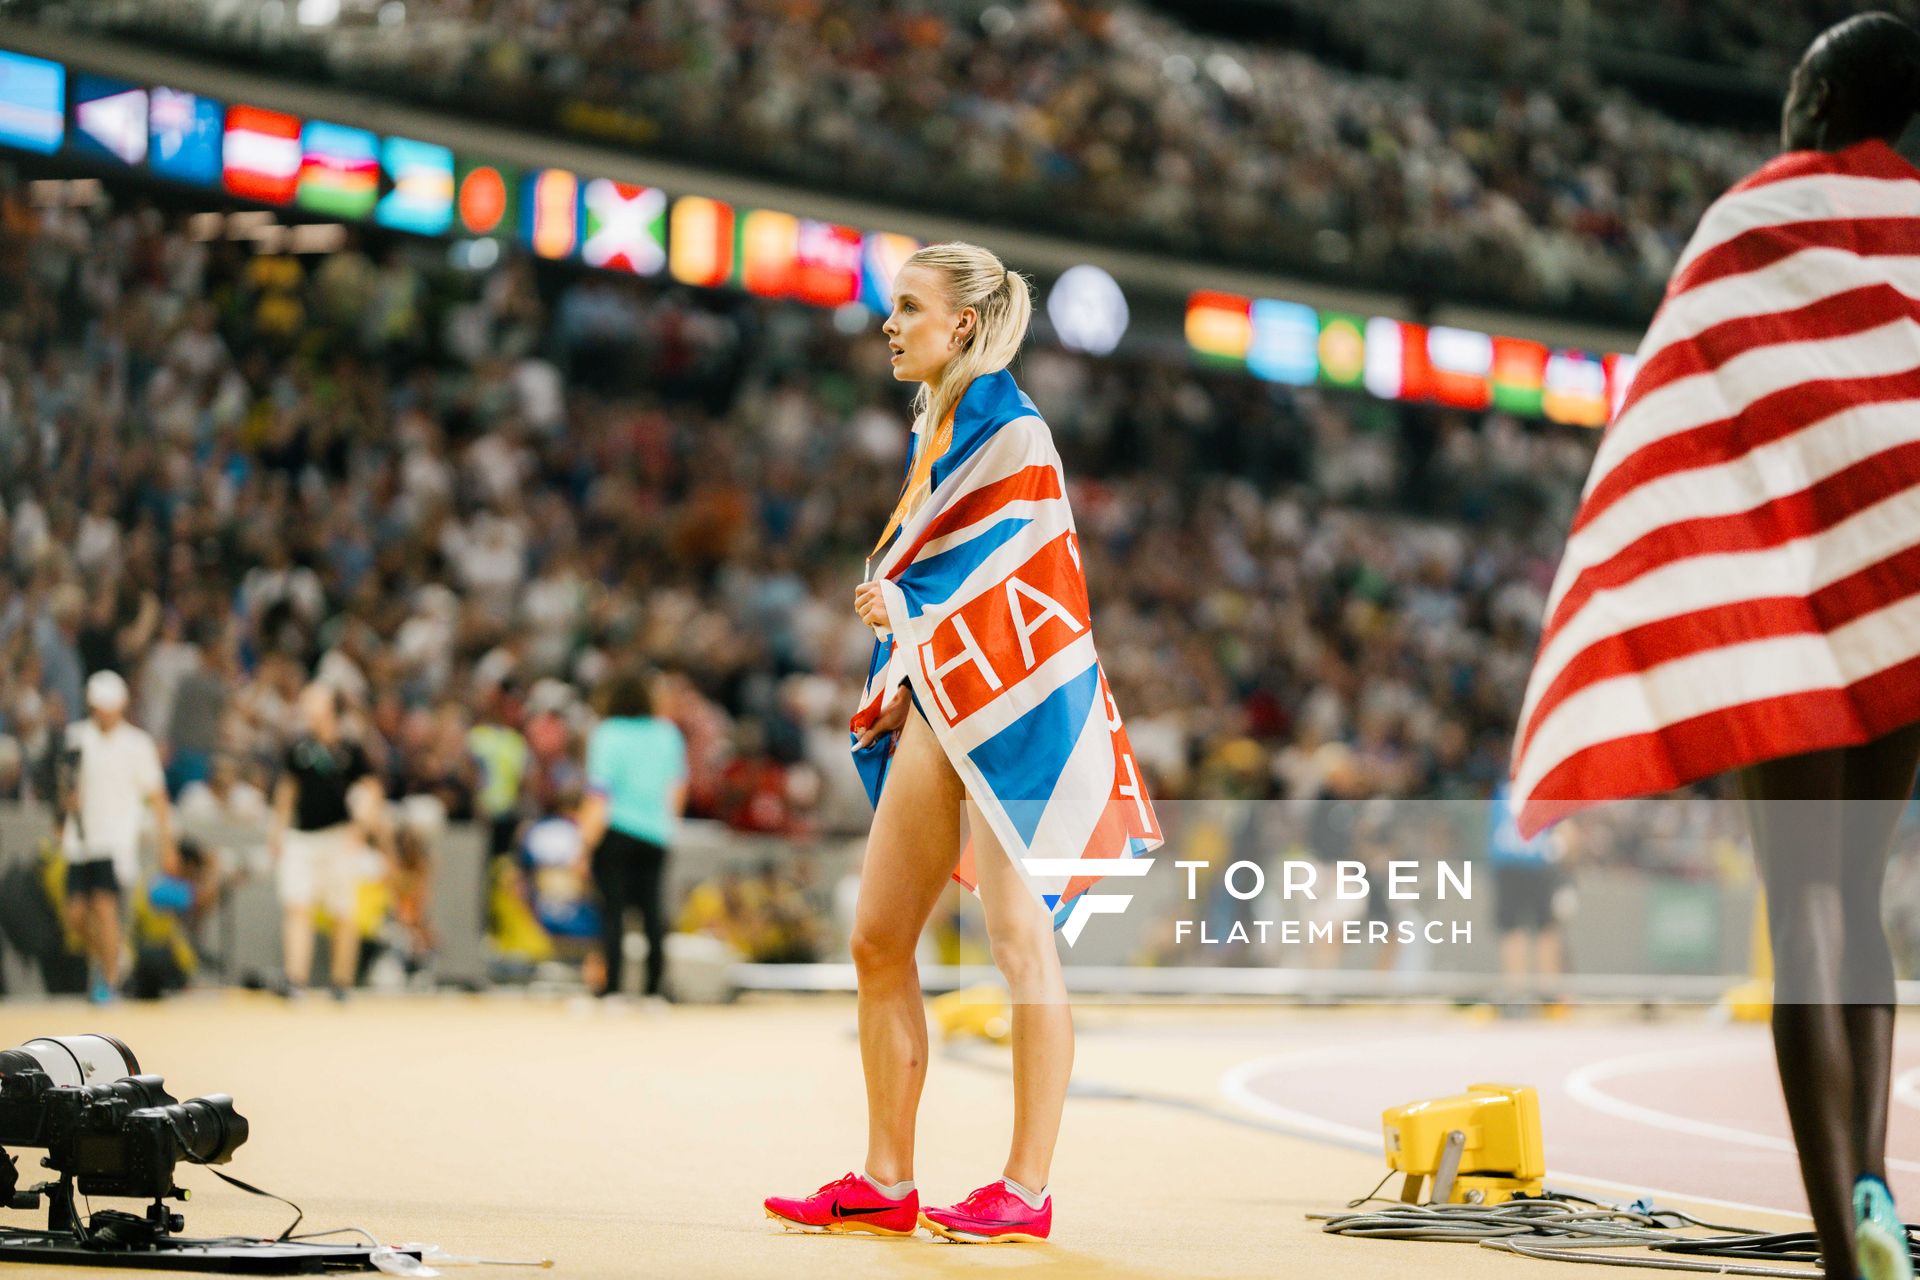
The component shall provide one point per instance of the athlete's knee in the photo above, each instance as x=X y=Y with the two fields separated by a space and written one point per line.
x=1868 y=968
x=1811 y=913
x=881 y=949
x=1024 y=955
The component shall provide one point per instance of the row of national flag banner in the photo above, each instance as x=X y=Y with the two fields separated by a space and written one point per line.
x=334 y=170
x=1298 y=345
x=272 y=157
x=778 y=255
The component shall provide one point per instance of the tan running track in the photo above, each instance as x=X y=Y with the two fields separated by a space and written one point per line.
x=624 y=1143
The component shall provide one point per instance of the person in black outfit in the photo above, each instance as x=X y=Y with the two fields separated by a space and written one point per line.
x=326 y=805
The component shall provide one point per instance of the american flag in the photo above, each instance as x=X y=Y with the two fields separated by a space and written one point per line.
x=1742 y=581
x=993 y=629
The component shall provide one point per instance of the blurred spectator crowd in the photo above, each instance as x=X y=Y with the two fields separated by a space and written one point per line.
x=463 y=496
x=459 y=496
x=1711 y=45
x=1100 y=120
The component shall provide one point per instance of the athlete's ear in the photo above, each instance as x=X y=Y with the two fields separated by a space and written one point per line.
x=1819 y=98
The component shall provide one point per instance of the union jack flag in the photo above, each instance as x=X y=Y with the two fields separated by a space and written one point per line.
x=992 y=629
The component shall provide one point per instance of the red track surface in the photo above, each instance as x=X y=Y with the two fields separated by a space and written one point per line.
x=1682 y=1109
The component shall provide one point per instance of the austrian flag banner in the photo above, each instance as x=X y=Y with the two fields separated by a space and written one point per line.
x=993 y=632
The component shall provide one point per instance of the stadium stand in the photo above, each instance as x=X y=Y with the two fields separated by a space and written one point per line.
x=1107 y=122
x=475 y=496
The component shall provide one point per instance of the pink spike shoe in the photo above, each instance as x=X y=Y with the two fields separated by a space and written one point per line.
x=844 y=1205
x=991 y=1215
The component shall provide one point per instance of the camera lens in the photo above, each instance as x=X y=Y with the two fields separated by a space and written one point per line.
x=208 y=1129
x=73 y=1060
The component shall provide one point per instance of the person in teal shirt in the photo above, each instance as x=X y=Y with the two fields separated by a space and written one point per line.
x=636 y=790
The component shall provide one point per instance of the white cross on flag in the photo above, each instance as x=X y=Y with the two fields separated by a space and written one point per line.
x=626 y=227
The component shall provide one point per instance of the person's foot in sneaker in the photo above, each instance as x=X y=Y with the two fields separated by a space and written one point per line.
x=1879 y=1237
x=1000 y=1212
x=851 y=1203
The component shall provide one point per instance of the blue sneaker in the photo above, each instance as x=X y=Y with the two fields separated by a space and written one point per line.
x=1879 y=1237
x=100 y=993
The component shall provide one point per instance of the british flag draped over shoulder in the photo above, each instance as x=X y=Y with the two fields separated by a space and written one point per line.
x=992 y=629
x=1742 y=581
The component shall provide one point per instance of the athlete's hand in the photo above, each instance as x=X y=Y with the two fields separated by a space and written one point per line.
x=891 y=720
x=867 y=602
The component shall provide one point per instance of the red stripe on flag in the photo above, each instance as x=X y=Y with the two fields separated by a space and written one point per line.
x=1854 y=311
x=1764 y=246
x=1811 y=511
x=1686 y=752
x=1770 y=418
x=1870 y=159
x=1651 y=644
x=1030 y=484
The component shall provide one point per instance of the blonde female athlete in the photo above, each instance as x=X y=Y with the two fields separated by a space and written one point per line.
x=985 y=698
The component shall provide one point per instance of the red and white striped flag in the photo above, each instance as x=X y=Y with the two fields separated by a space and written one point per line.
x=1742 y=580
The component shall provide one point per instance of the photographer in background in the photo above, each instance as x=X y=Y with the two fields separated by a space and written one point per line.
x=111 y=770
x=326 y=804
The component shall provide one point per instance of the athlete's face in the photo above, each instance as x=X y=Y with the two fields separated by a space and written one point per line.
x=924 y=331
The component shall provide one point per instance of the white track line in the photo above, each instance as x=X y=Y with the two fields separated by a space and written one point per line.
x=1236 y=1085
x=1583 y=1086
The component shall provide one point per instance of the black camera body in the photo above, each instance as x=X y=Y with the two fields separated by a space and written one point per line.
x=118 y=1139
x=107 y=1130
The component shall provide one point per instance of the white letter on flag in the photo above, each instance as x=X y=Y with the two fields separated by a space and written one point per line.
x=970 y=651
x=1049 y=608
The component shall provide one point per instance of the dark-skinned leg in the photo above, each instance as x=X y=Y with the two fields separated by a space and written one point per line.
x=1879 y=778
x=1794 y=806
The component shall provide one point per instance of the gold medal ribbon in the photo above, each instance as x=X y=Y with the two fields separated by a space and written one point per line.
x=919 y=482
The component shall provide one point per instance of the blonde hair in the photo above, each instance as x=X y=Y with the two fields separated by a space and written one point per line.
x=975 y=278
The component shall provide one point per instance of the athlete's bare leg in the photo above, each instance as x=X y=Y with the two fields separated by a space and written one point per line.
x=911 y=853
x=80 y=924
x=343 y=951
x=1021 y=935
x=105 y=909
x=1821 y=827
x=1879 y=778
x=296 y=944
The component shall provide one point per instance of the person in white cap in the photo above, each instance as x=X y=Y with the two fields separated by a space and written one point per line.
x=112 y=773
